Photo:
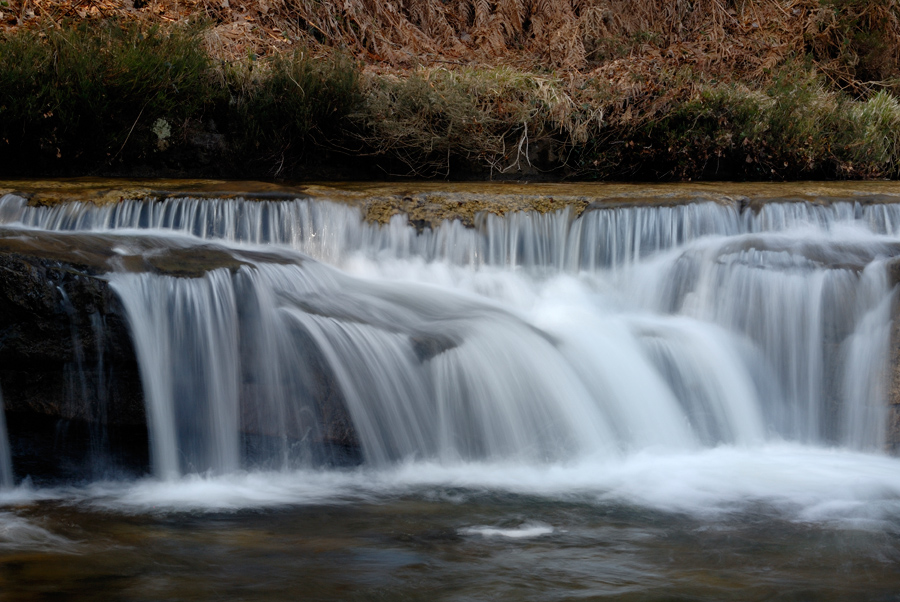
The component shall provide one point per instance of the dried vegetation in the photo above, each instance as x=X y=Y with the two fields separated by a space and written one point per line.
x=590 y=88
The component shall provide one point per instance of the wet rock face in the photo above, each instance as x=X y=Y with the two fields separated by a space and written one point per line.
x=893 y=397
x=64 y=345
x=70 y=379
x=71 y=386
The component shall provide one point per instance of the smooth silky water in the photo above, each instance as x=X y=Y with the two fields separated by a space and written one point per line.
x=640 y=403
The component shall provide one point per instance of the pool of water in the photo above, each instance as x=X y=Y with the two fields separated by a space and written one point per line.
x=773 y=523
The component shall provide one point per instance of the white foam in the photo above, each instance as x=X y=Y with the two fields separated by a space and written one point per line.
x=526 y=530
x=17 y=533
x=801 y=483
x=230 y=492
x=561 y=367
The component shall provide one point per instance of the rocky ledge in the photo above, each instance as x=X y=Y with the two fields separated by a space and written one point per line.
x=66 y=355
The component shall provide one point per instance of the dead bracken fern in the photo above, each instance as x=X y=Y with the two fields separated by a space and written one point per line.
x=484 y=81
x=746 y=35
x=851 y=40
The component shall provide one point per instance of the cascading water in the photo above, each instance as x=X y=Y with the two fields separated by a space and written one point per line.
x=529 y=339
x=642 y=402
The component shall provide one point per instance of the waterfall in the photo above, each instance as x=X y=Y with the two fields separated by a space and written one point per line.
x=6 y=472
x=185 y=337
x=530 y=338
x=330 y=231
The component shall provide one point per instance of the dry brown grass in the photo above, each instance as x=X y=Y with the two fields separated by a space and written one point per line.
x=478 y=79
x=737 y=38
x=614 y=60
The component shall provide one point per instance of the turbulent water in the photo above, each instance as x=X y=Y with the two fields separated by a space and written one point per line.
x=696 y=360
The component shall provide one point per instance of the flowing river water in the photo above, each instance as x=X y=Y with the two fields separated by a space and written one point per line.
x=683 y=401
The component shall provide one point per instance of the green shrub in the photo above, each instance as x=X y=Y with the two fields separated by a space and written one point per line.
x=83 y=93
x=486 y=117
x=280 y=107
x=108 y=98
x=876 y=134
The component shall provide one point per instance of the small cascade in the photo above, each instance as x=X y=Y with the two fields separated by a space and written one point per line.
x=862 y=417
x=817 y=315
x=220 y=358
x=331 y=231
x=226 y=354
x=99 y=409
x=531 y=338
x=88 y=387
x=185 y=337
x=434 y=373
x=6 y=471
x=76 y=375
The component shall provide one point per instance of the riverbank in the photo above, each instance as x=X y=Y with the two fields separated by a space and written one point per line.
x=587 y=90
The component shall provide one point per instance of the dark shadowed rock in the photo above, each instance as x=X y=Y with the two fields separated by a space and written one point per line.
x=63 y=338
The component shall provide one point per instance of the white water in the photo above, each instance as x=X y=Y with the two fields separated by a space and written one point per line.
x=807 y=484
x=331 y=231
x=18 y=535
x=524 y=531
x=660 y=356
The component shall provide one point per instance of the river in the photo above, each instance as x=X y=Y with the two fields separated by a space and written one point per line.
x=670 y=397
